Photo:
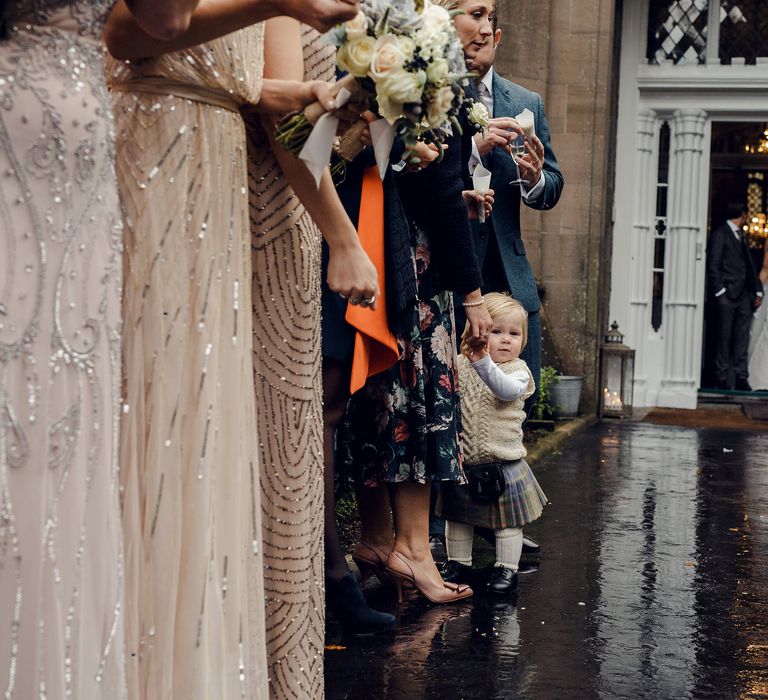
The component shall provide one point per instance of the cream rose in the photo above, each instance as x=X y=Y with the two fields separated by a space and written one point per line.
x=355 y=56
x=357 y=27
x=389 y=109
x=436 y=18
x=478 y=114
x=437 y=111
x=388 y=57
x=402 y=86
x=407 y=46
x=437 y=71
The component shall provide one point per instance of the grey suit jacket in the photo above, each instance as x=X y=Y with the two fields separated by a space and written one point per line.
x=509 y=100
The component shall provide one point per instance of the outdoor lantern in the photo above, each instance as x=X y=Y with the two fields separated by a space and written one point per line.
x=617 y=375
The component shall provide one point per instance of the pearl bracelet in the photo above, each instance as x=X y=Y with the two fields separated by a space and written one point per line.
x=473 y=303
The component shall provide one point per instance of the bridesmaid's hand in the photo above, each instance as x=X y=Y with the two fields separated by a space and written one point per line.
x=321 y=14
x=352 y=274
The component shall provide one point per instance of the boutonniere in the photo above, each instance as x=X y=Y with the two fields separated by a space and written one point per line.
x=478 y=115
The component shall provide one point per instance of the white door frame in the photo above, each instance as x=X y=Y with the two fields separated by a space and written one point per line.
x=689 y=98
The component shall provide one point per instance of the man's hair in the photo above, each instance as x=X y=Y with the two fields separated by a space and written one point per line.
x=734 y=210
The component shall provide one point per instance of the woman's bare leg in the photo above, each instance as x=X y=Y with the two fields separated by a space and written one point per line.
x=410 y=509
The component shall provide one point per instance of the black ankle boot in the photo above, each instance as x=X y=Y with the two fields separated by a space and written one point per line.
x=345 y=600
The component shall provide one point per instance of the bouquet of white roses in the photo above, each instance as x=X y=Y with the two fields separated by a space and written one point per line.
x=406 y=57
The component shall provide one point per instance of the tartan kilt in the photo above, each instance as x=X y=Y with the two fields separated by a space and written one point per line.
x=521 y=503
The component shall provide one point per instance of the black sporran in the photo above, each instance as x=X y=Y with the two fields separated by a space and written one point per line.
x=486 y=481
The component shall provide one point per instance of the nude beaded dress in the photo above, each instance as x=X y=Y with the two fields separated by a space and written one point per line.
x=189 y=455
x=61 y=583
x=286 y=360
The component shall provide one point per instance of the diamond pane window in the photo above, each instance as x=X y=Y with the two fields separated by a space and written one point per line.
x=677 y=31
x=743 y=30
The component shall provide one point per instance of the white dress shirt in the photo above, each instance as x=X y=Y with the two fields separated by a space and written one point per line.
x=485 y=88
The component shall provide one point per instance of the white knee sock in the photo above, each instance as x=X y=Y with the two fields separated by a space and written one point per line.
x=458 y=542
x=509 y=547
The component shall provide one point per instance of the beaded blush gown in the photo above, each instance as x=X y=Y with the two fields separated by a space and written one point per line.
x=286 y=359
x=189 y=453
x=61 y=588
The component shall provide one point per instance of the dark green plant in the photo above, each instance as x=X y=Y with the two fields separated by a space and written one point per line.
x=543 y=409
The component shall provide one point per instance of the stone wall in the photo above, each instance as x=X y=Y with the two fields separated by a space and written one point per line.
x=563 y=49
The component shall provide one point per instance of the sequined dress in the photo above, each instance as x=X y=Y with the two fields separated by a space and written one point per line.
x=61 y=588
x=286 y=360
x=189 y=452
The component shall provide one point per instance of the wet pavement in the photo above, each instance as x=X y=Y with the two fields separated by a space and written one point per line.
x=652 y=583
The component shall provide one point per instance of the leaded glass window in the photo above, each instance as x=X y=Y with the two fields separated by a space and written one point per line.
x=743 y=30
x=677 y=31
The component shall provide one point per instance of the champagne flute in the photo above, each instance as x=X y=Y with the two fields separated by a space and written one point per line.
x=517 y=150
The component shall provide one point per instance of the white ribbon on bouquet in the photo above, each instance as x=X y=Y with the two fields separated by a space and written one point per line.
x=316 y=152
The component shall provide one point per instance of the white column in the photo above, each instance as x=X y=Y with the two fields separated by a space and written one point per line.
x=641 y=246
x=687 y=221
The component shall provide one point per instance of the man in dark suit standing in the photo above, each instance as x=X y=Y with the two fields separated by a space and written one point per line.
x=738 y=292
x=498 y=242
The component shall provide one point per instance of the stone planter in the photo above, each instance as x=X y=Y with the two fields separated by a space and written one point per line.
x=566 y=394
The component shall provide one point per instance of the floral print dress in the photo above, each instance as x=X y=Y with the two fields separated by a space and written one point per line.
x=405 y=424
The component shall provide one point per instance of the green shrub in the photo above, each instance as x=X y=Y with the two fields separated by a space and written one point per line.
x=543 y=409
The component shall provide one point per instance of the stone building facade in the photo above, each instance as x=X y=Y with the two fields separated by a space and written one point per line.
x=564 y=50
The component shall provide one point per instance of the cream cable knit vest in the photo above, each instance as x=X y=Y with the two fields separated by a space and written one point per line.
x=492 y=429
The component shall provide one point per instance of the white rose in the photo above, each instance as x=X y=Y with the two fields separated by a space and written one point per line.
x=436 y=18
x=437 y=71
x=355 y=56
x=437 y=110
x=407 y=46
x=478 y=114
x=387 y=58
x=403 y=86
x=389 y=109
x=357 y=27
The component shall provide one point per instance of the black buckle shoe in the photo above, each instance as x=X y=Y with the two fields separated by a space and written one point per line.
x=503 y=581
x=456 y=572
x=530 y=547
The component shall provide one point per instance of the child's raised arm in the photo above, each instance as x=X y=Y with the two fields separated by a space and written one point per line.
x=507 y=387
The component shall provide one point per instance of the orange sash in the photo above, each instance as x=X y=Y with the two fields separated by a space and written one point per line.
x=375 y=347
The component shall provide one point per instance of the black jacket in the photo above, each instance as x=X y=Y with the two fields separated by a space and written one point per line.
x=729 y=265
x=432 y=199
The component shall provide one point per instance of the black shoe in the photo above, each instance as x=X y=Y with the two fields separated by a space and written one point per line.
x=743 y=385
x=530 y=547
x=502 y=581
x=527 y=567
x=456 y=572
x=437 y=548
x=723 y=385
x=345 y=600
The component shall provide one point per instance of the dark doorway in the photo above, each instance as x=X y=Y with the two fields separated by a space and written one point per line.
x=739 y=173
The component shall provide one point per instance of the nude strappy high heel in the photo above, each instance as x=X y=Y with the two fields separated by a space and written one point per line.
x=404 y=571
x=371 y=560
